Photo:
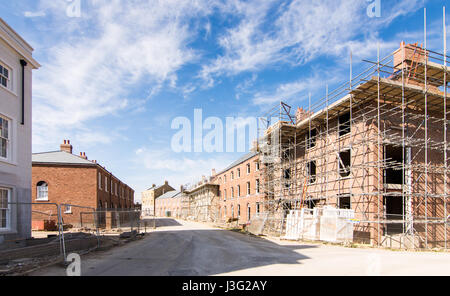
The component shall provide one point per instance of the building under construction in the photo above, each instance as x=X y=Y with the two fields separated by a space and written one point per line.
x=377 y=145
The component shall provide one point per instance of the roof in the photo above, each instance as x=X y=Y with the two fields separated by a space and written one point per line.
x=60 y=157
x=13 y=39
x=169 y=194
x=239 y=161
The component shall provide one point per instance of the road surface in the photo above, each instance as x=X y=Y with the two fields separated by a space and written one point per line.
x=188 y=248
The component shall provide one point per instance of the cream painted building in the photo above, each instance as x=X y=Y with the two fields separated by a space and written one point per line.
x=16 y=65
x=148 y=198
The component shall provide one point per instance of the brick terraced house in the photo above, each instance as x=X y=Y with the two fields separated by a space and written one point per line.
x=64 y=178
x=239 y=189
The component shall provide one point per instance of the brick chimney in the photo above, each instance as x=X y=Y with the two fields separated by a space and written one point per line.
x=213 y=172
x=66 y=146
x=411 y=54
x=301 y=114
x=83 y=155
x=181 y=188
x=166 y=182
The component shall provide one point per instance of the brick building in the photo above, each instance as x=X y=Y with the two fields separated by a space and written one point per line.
x=377 y=146
x=170 y=204
x=239 y=189
x=64 y=178
x=149 y=197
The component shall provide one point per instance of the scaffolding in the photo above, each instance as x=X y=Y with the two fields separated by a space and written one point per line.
x=376 y=144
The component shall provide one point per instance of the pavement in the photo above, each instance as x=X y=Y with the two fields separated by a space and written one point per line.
x=182 y=248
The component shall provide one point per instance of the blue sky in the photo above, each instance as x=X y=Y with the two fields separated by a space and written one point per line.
x=113 y=79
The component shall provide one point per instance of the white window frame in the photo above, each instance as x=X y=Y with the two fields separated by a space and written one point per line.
x=8 y=209
x=68 y=209
x=248 y=188
x=9 y=82
x=248 y=168
x=8 y=157
x=38 y=196
x=106 y=183
x=257 y=166
x=257 y=184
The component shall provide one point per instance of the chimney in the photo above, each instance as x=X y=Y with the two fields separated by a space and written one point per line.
x=302 y=114
x=153 y=185
x=83 y=155
x=411 y=54
x=166 y=182
x=213 y=172
x=66 y=146
x=181 y=188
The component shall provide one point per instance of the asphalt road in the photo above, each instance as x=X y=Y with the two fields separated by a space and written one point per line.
x=188 y=248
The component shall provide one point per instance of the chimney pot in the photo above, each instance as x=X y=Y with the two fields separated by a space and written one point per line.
x=66 y=147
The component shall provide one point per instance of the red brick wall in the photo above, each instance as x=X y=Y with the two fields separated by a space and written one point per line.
x=244 y=200
x=70 y=185
x=77 y=185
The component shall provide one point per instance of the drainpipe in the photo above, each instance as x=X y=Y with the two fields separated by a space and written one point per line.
x=23 y=63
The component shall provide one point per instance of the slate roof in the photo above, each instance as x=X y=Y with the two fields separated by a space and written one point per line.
x=169 y=194
x=239 y=161
x=60 y=157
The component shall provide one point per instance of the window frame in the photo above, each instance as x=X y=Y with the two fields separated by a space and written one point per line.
x=8 y=157
x=7 y=78
x=7 y=209
x=38 y=191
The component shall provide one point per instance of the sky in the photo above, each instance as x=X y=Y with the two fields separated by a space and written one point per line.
x=116 y=75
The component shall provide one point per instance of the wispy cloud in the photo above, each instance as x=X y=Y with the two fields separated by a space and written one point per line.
x=90 y=75
x=298 y=32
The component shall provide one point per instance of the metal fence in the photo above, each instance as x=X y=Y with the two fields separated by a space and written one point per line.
x=58 y=229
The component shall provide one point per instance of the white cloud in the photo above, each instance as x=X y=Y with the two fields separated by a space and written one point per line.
x=295 y=33
x=89 y=76
x=34 y=13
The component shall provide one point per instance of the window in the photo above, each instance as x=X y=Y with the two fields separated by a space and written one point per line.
x=310 y=204
x=394 y=160
x=257 y=166
x=42 y=191
x=258 y=208
x=239 y=211
x=232 y=175
x=248 y=188
x=224 y=194
x=344 y=163
x=287 y=174
x=311 y=138
x=232 y=192
x=344 y=124
x=344 y=201
x=248 y=168
x=239 y=190
x=311 y=172
x=238 y=173
x=5 y=209
x=248 y=212
x=5 y=74
x=68 y=210
x=5 y=125
x=106 y=184
x=115 y=185
x=99 y=181
x=257 y=186
x=224 y=178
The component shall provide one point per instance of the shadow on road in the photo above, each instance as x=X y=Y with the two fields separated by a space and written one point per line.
x=209 y=252
x=161 y=222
